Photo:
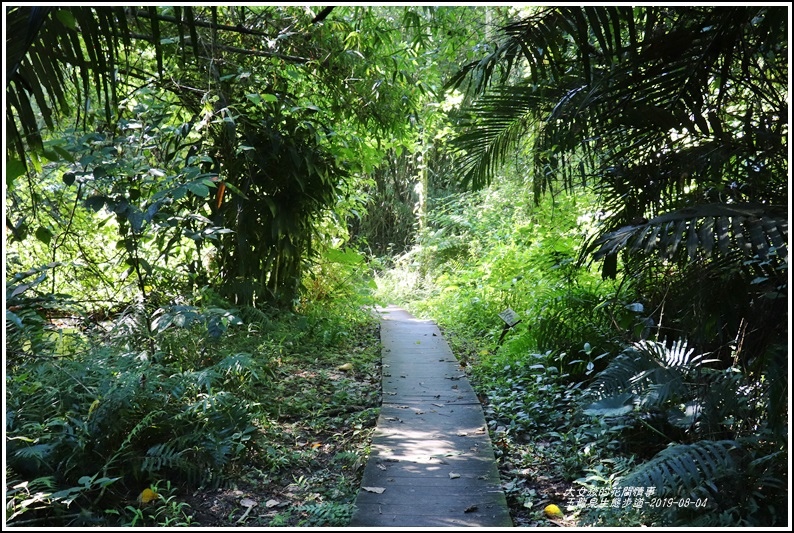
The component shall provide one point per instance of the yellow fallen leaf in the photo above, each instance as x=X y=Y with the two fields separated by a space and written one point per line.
x=552 y=511
x=345 y=367
x=147 y=495
x=376 y=490
x=453 y=475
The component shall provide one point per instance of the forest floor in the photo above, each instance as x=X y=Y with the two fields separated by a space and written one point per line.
x=324 y=449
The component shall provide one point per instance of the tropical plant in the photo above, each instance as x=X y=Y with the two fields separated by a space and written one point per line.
x=710 y=427
x=611 y=98
x=676 y=118
x=252 y=137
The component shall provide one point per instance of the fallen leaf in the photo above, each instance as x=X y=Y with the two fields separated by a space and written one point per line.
x=316 y=445
x=147 y=495
x=462 y=433
x=381 y=467
x=376 y=490
x=248 y=504
x=470 y=509
x=453 y=475
x=271 y=503
x=345 y=367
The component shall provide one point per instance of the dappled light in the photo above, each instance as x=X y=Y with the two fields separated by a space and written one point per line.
x=284 y=266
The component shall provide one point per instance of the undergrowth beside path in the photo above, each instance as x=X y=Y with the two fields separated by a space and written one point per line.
x=265 y=423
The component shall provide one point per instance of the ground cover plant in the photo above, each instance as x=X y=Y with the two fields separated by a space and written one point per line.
x=195 y=197
x=583 y=397
x=276 y=411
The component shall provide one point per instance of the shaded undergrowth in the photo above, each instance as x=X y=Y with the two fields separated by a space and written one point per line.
x=188 y=420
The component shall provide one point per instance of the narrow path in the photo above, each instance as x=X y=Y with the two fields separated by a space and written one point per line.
x=431 y=461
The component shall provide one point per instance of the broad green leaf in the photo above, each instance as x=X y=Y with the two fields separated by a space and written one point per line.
x=66 y=18
x=52 y=156
x=44 y=234
x=14 y=169
x=136 y=219
x=198 y=188
x=65 y=154
x=612 y=406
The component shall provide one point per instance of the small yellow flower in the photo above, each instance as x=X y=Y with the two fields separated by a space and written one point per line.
x=552 y=511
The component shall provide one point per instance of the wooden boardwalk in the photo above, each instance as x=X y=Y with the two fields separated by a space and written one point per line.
x=431 y=461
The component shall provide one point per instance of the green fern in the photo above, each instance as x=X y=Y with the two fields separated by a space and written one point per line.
x=163 y=456
x=649 y=373
x=687 y=470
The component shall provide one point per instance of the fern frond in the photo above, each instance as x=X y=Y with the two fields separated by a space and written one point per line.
x=238 y=365
x=648 y=374
x=687 y=470
x=163 y=456
x=37 y=452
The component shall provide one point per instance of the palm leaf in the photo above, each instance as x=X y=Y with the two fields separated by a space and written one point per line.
x=87 y=41
x=631 y=77
x=647 y=374
x=687 y=470
x=495 y=132
x=755 y=230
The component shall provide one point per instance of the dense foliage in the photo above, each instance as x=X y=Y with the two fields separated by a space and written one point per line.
x=196 y=198
x=179 y=293
x=670 y=126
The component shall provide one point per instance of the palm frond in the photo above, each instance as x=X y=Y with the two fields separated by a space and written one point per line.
x=501 y=119
x=661 y=108
x=685 y=470
x=701 y=230
x=81 y=47
x=648 y=374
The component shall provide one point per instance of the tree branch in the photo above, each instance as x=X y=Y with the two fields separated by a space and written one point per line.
x=165 y=18
x=322 y=14
x=244 y=51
